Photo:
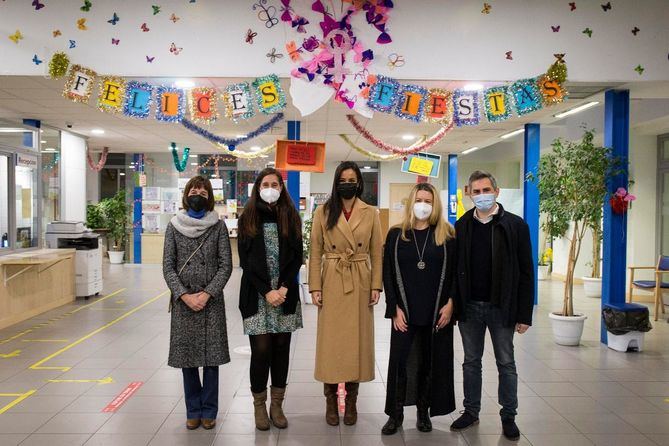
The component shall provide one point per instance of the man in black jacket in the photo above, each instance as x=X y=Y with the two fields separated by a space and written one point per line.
x=495 y=290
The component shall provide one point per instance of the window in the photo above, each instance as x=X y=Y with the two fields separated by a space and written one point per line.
x=50 y=153
x=4 y=202
x=26 y=201
x=370 y=176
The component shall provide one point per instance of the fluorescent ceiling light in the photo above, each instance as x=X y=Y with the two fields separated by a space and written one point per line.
x=255 y=148
x=580 y=108
x=214 y=176
x=131 y=166
x=473 y=149
x=192 y=156
x=43 y=142
x=97 y=132
x=514 y=133
x=473 y=87
x=408 y=137
x=193 y=164
x=12 y=130
x=49 y=149
x=184 y=83
x=240 y=136
x=366 y=167
x=122 y=174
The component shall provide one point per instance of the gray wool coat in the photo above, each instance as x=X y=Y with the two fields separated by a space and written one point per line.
x=198 y=338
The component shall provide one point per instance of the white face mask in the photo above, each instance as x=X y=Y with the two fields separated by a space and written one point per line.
x=270 y=195
x=422 y=211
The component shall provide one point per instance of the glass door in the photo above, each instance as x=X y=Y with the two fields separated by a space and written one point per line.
x=663 y=195
x=4 y=202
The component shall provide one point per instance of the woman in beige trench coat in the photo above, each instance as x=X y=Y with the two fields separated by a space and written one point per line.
x=345 y=281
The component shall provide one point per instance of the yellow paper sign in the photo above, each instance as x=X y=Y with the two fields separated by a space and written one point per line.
x=497 y=106
x=411 y=103
x=269 y=93
x=169 y=103
x=420 y=166
x=111 y=94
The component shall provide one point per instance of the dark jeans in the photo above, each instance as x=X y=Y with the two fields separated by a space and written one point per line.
x=201 y=400
x=482 y=315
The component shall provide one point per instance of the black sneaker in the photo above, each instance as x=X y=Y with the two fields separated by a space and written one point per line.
x=511 y=431
x=465 y=421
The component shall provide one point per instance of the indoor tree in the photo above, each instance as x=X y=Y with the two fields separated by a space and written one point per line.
x=116 y=212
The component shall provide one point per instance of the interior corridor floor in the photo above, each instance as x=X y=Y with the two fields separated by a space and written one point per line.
x=60 y=370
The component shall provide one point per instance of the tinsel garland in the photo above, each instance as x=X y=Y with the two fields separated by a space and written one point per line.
x=231 y=143
x=101 y=163
x=58 y=65
x=425 y=145
x=373 y=155
x=558 y=70
x=246 y=155
x=180 y=165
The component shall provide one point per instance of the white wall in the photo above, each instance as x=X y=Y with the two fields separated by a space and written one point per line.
x=4 y=205
x=92 y=186
x=72 y=177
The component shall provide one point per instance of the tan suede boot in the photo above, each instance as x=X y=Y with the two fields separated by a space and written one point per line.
x=260 y=410
x=331 y=409
x=351 y=411
x=275 y=411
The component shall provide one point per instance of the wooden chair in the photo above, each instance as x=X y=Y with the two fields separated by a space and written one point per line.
x=656 y=286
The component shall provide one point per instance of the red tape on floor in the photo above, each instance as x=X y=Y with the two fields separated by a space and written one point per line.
x=122 y=397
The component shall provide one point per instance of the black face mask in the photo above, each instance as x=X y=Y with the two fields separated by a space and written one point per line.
x=196 y=202
x=347 y=190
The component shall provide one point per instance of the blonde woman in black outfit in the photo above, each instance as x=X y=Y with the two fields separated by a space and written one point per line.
x=418 y=279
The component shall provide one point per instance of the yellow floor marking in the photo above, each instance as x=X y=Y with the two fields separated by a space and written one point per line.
x=98 y=301
x=108 y=309
x=38 y=365
x=120 y=301
x=45 y=340
x=21 y=397
x=13 y=354
x=4 y=341
x=107 y=380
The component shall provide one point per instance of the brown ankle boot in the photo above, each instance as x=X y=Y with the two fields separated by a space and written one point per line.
x=331 y=409
x=351 y=412
x=275 y=411
x=260 y=410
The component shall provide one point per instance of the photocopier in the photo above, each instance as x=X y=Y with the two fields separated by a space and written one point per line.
x=88 y=258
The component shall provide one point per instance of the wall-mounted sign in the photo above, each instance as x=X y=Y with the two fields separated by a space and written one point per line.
x=302 y=156
x=423 y=164
x=26 y=161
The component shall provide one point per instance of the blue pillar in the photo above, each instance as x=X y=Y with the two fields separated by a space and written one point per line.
x=532 y=144
x=616 y=136
x=293 y=176
x=452 y=188
x=138 y=158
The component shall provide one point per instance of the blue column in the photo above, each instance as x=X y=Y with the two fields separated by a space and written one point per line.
x=452 y=188
x=293 y=176
x=138 y=158
x=532 y=144
x=616 y=136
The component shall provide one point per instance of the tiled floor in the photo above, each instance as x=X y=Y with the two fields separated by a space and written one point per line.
x=568 y=396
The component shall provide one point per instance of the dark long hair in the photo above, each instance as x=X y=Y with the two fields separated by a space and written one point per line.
x=287 y=216
x=334 y=206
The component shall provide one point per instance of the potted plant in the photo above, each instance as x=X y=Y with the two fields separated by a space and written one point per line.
x=545 y=260
x=572 y=188
x=306 y=245
x=116 y=211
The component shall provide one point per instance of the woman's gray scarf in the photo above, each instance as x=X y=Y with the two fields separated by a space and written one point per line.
x=193 y=227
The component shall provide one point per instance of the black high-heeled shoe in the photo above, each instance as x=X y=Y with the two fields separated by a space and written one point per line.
x=392 y=425
x=423 y=422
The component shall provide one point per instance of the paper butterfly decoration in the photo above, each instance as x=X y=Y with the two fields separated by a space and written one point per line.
x=87 y=6
x=57 y=33
x=273 y=55
x=114 y=20
x=606 y=6
x=16 y=37
x=156 y=9
x=73 y=44
x=395 y=61
x=174 y=18
x=556 y=29
x=486 y=8
x=144 y=28
x=294 y=52
x=572 y=6
x=587 y=31
x=37 y=5
x=250 y=35
x=266 y=14
x=150 y=59
x=509 y=56
x=36 y=60
x=635 y=30
x=559 y=56
x=81 y=24
x=115 y=41
x=174 y=50
x=639 y=69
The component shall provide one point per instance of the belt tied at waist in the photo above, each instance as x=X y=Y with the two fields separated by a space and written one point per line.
x=345 y=260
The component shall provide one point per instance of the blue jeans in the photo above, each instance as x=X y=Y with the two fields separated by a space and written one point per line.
x=482 y=315
x=201 y=400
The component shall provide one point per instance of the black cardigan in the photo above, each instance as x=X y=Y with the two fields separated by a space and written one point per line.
x=512 y=266
x=255 y=276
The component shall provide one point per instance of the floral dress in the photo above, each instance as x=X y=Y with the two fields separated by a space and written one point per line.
x=271 y=319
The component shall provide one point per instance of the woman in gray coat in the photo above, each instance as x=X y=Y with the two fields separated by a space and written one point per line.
x=197 y=263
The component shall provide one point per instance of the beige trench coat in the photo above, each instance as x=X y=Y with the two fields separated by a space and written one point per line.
x=345 y=265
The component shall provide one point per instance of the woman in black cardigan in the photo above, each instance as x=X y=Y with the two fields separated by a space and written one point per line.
x=270 y=254
x=418 y=279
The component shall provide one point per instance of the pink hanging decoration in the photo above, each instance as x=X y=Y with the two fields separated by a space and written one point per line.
x=101 y=163
x=426 y=145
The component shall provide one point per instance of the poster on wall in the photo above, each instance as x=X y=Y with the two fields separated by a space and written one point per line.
x=181 y=183
x=219 y=197
x=151 y=193
x=171 y=197
x=151 y=223
x=151 y=207
x=231 y=205
x=216 y=183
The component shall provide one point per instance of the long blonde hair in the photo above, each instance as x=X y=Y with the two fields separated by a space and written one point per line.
x=443 y=231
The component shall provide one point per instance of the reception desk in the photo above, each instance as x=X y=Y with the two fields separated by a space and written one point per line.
x=34 y=282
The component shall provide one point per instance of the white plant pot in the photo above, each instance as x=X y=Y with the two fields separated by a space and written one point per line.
x=543 y=273
x=116 y=257
x=567 y=330
x=592 y=287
